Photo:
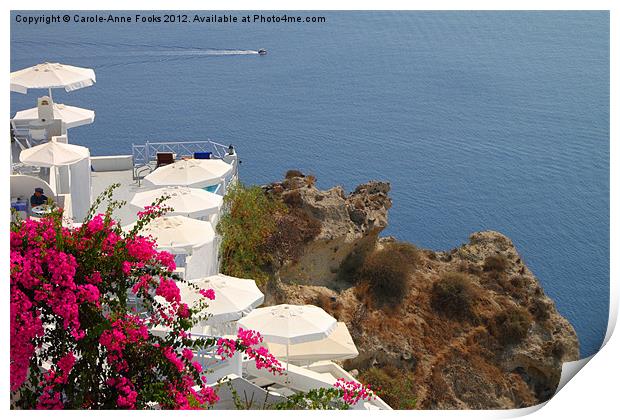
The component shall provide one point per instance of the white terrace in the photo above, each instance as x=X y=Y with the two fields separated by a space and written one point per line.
x=197 y=175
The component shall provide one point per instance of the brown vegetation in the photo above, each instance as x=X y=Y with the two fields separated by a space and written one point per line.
x=294 y=229
x=293 y=173
x=455 y=327
x=292 y=199
x=330 y=304
x=453 y=295
x=497 y=263
x=511 y=325
x=387 y=271
x=540 y=309
x=392 y=385
x=459 y=336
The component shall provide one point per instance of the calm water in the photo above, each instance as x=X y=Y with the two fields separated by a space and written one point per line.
x=479 y=120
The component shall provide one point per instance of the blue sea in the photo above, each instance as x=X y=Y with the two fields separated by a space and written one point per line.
x=480 y=120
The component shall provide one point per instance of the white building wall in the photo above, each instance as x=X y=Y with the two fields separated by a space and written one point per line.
x=80 y=189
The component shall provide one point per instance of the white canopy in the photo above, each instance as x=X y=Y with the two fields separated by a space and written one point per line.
x=72 y=116
x=51 y=76
x=173 y=233
x=192 y=173
x=337 y=346
x=290 y=324
x=234 y=297
x=184 y=200
x=53 y=153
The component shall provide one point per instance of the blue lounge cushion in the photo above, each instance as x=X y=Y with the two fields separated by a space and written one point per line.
x=202 y=155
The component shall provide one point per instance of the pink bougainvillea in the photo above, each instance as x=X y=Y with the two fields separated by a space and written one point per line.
x=174 y=358
x=127 y=395
x=249 y=340
x=169 y=290
x=26 y=325
x=226 y=347
x=71 y=312
x=208 y=293
x=354 y=391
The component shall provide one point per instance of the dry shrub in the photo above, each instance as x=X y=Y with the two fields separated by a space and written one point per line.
x=294 y=229
x=438 y=390
x=518 y=282
x=387 y=275
x=516 y=287
x=495 y=281
x=322 y=301
x=310 y=180
x=293 y=173
x=375 y=324
x=454 y=295
x=393 y=385
x=357 y=323
x=474 y=270
x=407 y=250
x=498 y=263
x=462 y=266
x=540 y=309
x=350 y=266
x=387 y=271
x=309 y=226
x=469 y=268
x=538 y=291
x=511 y=325
x=292 y=199
x=557 y=349
x=364 y=294
x=359 y=204
x=331 y=305
x=285 y=243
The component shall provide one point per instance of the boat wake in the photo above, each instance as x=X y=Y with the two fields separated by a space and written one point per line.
x=196 y=52
x=115 y=53
x=172 y=55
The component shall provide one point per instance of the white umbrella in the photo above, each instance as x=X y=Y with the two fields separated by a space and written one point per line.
x=290 y=324
x=192 y=173
x=234 y=297
x=184 y=200
x=173 y=233
x=53 y=153
x=72 y=116
x=51 y=76
x=337 y=346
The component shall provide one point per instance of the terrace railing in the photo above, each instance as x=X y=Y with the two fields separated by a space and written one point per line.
x=145 y=155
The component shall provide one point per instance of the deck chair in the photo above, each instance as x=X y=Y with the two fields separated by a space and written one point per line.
x=164 y=158
x=38 y=135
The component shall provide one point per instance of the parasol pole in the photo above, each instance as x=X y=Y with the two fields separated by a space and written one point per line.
x=287 y=357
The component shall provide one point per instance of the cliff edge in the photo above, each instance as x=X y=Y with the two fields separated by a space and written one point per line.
x=469 y=328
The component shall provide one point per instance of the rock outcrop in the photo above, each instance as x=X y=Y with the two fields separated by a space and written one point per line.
x=456 y=363
x=350 y=225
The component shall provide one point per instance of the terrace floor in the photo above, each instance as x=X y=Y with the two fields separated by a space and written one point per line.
x=128 y=188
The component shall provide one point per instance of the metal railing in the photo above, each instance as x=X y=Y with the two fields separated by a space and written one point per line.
x=21 y=135
x=145 y=155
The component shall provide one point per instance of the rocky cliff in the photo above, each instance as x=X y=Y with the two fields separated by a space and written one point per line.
x=504 y=351
x=349 y=226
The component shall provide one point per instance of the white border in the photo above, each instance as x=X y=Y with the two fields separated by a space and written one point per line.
x=592 y=394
